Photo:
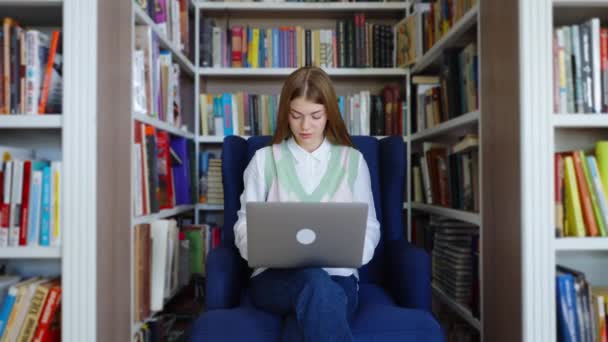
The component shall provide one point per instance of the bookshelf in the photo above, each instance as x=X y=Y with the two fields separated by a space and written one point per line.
x=30 y=122
x=161 y=123
x=464 y=31
x=262 y=80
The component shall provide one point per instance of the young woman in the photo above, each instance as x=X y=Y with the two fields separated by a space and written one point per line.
x=311 y=159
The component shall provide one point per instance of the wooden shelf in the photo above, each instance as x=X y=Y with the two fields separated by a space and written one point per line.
x=580 y=120
x=458 y=308
x=279 y=72
x=25 y=252
x=452 y=39
x=142 y=18
x=163 y=126
x=581 y=244
x=461 y=215
x=19 y=121
x=209 y=207
x=324 y=10
x=163 y=214
x=463 y=122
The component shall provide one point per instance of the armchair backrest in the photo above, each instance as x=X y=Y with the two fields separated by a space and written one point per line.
x=385 y=159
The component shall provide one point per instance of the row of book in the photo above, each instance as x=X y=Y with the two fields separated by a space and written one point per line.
x=167 y=253
x=156 y=79
x=581 y=190
x=172 y=20
x=429 y=22
x=30 y=70
x=30 y=309
x=581 y=308
x=247 y=114
x=30 y=201
x=454 y=92
x=352 y=43
x=211 y=189
x=455 y=261
x=580 y=68
x=164 y=170
x=448 y=175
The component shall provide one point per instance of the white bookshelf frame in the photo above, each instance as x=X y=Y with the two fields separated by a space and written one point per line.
x=46 y=121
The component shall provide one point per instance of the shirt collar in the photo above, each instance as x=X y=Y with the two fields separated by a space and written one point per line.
x=320 y=154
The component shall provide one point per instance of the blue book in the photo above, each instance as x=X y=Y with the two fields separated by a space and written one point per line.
x=262 y=49
x=181 y=170
x=276 y=62
x=7 y=308
x=227 y=114
x=45 y=218
x=341 y=106
x=35 y=202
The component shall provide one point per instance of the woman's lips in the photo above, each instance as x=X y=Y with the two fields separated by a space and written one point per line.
x=305 y=135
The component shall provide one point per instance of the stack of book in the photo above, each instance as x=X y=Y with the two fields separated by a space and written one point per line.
x=430 y=21
x=30 y=309
x=163 y=170
x=172 y=20
x=581 y=190
x=156 y=266
x=455 y=91
x=351 y=43
x=580 y=68
x=30 y=70
x=455 y=260
x=211 y=187
x=247 y=114
x=581 y=308
x=29 y=199
x=155 y=79
x=448 y=175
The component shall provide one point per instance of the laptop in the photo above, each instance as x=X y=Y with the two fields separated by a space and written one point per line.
x=305 y=234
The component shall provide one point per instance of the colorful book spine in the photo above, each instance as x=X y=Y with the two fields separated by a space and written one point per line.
x=45 y=218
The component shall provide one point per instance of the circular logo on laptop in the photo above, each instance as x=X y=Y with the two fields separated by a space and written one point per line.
x=306 y=236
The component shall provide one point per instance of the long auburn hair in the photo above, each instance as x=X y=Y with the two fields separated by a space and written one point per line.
x=314 y=85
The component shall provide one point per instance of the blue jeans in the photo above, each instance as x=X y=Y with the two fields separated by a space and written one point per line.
x=317 y=306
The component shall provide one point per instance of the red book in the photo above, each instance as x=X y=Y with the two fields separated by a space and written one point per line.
x=237 y=46
x=50 y=314
x=25 y=202
x=215 y=237
x=165 y=173
x=5 y=205
x=604 y=66
x=586 y=205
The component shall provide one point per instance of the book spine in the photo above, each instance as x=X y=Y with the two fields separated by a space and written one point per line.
x=25 y=201
x=45 y=218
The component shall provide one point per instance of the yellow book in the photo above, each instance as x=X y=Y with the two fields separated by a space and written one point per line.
x=599 y=302
x=316 y=39
x=269 y=50
x=601 y=154
x=298 y=50
x=35 y=309
x=575 y=225
x=203 y=108
x=20 y=304
x=255 y=48
x=56 y=203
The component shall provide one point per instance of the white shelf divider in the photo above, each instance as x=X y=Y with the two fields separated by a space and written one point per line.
x=214 y=139
x=30 y=252
x=580 y=120
x=142 y=18
x=163 y=214
x=465 y=120
x=274 y=72
x=581 y=244
x=163 y=126
x=458 y=308
x=46 y=121
x=33 y=3
x=456 y=214
x=449 y=40
x=580 y=3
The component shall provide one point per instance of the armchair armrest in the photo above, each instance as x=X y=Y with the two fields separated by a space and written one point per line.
x=409 y=275
x=224 y=278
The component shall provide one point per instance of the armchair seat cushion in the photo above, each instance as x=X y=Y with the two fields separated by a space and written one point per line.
x=378 y=318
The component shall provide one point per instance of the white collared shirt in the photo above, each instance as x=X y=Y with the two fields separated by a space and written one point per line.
x=311 y=167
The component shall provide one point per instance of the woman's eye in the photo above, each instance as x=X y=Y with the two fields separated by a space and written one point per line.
x=316 y=117
x=296 y=117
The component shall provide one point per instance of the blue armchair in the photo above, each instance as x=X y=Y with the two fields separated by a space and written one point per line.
x=395 y=287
